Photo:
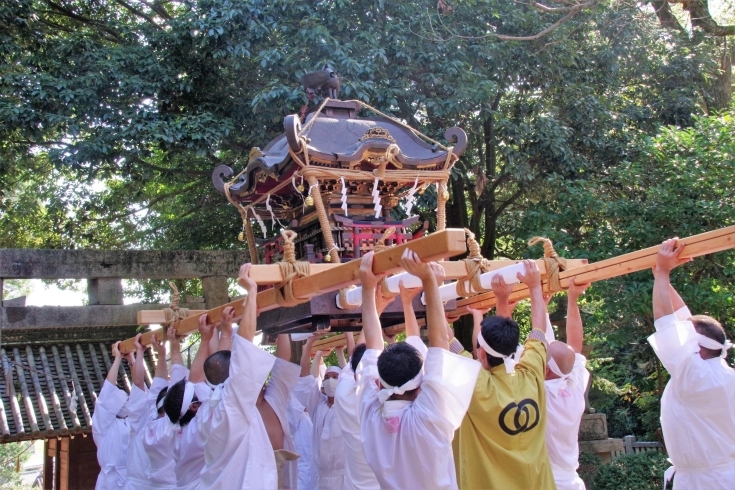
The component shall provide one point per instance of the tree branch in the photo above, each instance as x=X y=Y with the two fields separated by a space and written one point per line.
x=700 y=17
x=84 y=20
x=510 y=201
x=139 y=13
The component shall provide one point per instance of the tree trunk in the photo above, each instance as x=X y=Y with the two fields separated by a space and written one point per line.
x=721 y=87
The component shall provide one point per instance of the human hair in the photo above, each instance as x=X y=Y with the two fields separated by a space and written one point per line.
x=502 y=334
x=160 y=396
x=357 y=356
x=172 y=404
x=217 y=367
x=711 y=328
x=399 y=363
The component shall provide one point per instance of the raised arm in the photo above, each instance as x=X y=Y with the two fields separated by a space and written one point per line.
x=283 y=347
x=316 y=363
x=112 y=373
x=161 y=367
x=174 y=341
x=502 y=290
x=350 y=343
x=431 y=277
x=407 y=296
x=139 y=365
x=341 y=361
x=249 y=320
x=575 y=332
x=206 y=330
x=214 y=342
x=477 y=316
x=370 y=319
x=666 y=260
x=676 y=299
x=306 y=355
x=532 y=279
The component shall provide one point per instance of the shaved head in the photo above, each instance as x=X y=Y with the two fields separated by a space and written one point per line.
x=563 y=355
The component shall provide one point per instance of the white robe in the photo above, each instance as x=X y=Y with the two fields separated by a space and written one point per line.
x=188 y=447
x=156 y=440
x=409 y=444
x=326 y=443
x=697 y=408
x=301 y=430
x=284 y=377
x=237 y=451
x=564 y=410
x=138 y=462
x=358 y=474
x=111 y=436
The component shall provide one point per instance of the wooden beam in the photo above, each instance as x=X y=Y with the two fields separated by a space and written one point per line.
x=437 y=246
x=149 y=317
x=695 y=246
x=327 y=343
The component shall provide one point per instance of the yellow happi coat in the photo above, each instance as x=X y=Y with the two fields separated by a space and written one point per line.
x=501 y=443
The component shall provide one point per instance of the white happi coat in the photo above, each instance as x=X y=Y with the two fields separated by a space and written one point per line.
x=158 y=437
x=327 y=444
x=301 y=431
x=697 y=407
x=278 y=395
x=237 y=451
x=188 y=448
x=401 y=435
x=564 y=410
x=138 y=463
x=111 y=436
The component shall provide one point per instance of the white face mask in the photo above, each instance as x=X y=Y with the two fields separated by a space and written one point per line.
x=330 y=386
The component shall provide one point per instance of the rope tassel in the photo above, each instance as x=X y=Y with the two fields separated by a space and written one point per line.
x=554 y=263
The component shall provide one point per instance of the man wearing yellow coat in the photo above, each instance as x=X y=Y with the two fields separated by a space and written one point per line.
x=501 y=443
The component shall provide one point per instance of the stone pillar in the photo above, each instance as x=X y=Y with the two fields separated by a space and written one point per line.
x=215 y=291
x=105 y=291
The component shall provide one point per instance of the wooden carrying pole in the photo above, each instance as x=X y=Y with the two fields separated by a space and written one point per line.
x=694 y=246
x=437 y=246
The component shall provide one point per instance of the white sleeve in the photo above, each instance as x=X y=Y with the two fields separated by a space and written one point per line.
x=156 y=386
x=284 y=377
x=683 y=314
x=307 y=393
x=138 y=409
x=447 y=388
x=367 y=373
x=109 y=403
x=249 y=368
x=580 y=375
x=158 y=438
x=416 y=342
x=178 y=372
x=549 y=330
x=674 y=342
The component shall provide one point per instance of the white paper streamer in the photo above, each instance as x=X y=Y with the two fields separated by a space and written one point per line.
x=376 y=198
x=270 y=210
x=344 y=195
x=410 y=196
x=261 y=224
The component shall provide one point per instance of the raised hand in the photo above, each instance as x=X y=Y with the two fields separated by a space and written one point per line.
x=159 y=347
x=225 y=326
x=501 y=288
x=368 y=279
x=206 y=329
x=668 y=256
x=411 y=262
x=245 y=281
x=116 y=350
x=408 y=294
x=532 y=277
x=574 y=291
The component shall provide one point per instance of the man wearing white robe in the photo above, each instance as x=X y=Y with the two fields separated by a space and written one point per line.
x=698 y=404
x=301 y=428
x=327 y=445
x=111 y=428
x=238 y=453
x=565 y=384
x=406 y=431
x=156 y=468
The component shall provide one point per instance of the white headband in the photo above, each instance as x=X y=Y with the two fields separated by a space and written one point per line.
x=509 y=361
x=567 y=380
x=210 y=384
x=160 y=402
x=409 y=385
x=188 y=397
x=333 y=369
x=709 y=343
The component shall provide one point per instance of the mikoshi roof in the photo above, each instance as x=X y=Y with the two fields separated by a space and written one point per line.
x=45 y=372
x=337 y=138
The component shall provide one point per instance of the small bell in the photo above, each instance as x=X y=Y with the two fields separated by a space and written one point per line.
x=328 y=257
x=241 y=236
x=300 y=187
x=445 y=195
x=309 y=201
